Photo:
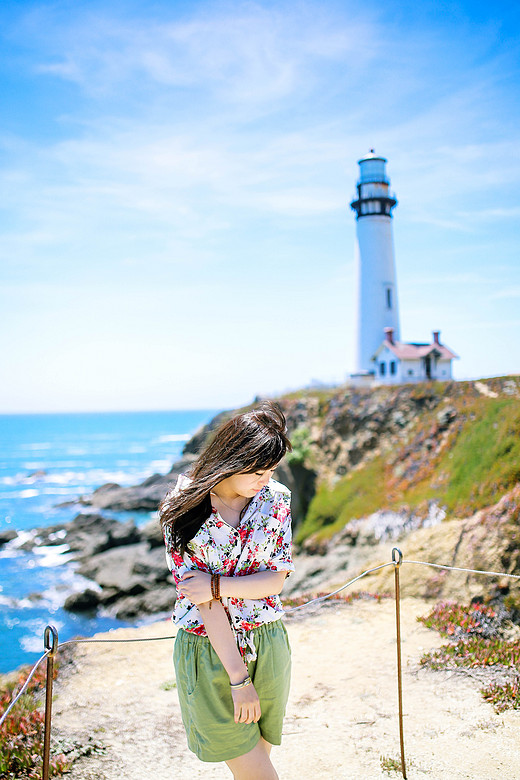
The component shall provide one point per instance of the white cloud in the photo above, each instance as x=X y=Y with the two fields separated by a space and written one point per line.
x=247 y=53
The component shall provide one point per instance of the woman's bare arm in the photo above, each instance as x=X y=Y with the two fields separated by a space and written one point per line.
x=218 y=629
x=196 y=585
x=253 y=586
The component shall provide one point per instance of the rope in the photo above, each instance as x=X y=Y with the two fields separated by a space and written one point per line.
x=329 y=595
x=316 y=600
x=471 y=571
x=24 y=687
x=73 y=642
x=102 y=641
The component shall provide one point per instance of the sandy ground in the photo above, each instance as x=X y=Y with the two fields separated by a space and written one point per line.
x=341 y=717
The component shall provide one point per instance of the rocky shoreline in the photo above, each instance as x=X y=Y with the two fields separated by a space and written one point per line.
x=333 y=432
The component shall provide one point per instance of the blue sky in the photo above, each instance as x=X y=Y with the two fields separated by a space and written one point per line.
x=175 y=228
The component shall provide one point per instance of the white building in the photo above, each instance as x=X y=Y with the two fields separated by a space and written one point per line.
x=377 y=304
x=396 y=362
x=390 y=361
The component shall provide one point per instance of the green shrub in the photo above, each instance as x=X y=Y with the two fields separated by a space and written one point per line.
x=301 y=450
x=474 y=651
x=451 y=619
x=503 y=696
x=21 y=734
x=477 y=630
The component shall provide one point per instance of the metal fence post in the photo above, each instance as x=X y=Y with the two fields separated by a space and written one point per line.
x=50 y=643
x=397 y=558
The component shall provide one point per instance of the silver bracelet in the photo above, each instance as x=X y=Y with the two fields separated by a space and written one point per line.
x=243 y=684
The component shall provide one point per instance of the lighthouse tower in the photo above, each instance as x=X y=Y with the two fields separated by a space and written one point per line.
x=377 y=306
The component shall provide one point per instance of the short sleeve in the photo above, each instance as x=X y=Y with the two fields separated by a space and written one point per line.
x=281 y=559
x=192 y=560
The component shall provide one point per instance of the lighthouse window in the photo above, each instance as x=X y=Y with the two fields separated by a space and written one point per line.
x=388 y=297
x=382 y=369
x=392 y=367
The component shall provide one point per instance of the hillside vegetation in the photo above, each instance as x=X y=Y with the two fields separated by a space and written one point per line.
x=456 y=444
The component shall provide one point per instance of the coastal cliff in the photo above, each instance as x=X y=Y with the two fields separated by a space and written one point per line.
x=434 y=467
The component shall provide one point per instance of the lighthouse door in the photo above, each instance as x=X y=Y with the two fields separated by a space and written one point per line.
x=428 y=366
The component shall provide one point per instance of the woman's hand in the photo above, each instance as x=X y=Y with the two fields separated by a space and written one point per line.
x=247 y=704
x=196 y=586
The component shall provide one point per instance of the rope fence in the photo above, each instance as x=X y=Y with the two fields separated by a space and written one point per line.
x=52 y=645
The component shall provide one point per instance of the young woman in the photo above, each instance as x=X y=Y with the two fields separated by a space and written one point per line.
x=227 y=529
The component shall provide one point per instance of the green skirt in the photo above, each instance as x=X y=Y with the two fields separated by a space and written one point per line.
x=205 y=695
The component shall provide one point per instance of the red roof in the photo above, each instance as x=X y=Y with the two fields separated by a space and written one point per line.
x=415 y=351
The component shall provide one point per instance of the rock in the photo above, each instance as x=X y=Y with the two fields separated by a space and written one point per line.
x=91 y=534
x=152 y=566
x=301 y=481
x=446 y=417
x=126 y=571
x=7 y=536
x=151 y=602
x=489 y=540
x=114 y=568
x=145 y=497
x=198 y=441
x=152 y=533
x=86 y=601
x=35 y=476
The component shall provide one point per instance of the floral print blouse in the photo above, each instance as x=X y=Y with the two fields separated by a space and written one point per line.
x=261 y=542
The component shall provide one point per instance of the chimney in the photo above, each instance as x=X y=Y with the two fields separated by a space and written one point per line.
x=436 y=334
x=389 y=335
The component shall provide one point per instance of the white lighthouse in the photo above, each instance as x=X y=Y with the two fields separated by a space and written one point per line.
x=382 y=357
x=377 y=303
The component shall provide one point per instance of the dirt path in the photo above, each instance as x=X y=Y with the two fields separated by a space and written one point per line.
x=342 y=713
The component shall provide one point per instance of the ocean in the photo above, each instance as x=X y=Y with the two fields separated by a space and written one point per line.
x=49 y=459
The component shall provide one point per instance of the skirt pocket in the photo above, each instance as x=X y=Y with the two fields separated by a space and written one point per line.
x=185 y=659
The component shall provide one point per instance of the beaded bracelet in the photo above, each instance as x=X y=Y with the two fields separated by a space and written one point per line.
x=243 y=684
x=215 y=586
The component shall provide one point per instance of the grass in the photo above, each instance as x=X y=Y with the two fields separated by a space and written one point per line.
x=389 y=764
x=478 y=643
x=484 y=461
x=169 y=685
x=466 y=468
x=359 y=493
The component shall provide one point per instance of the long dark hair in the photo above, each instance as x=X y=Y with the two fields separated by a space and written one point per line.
x=250 y=441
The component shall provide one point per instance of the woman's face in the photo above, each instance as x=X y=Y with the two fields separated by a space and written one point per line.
x=248 y=485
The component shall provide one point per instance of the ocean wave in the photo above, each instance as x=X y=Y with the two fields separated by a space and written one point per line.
x=13 y=603
x=23 y=536
x=52 y=556
x=88 y=477
x=53 y=597
x=172 y=437
x=55 y=491
x=9 y=552
x=28 y=493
